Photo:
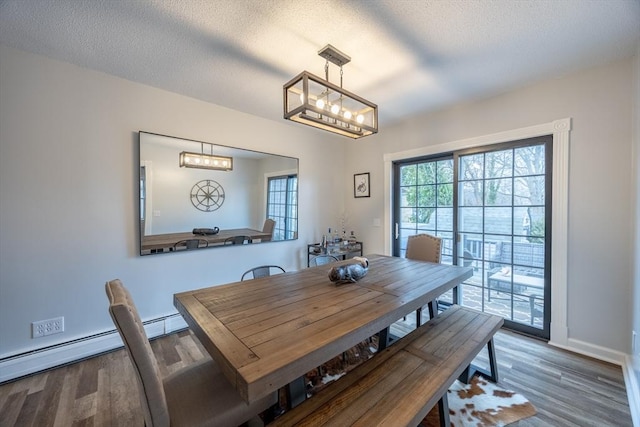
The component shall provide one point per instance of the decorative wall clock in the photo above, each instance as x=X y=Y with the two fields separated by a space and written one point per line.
x=207 y=195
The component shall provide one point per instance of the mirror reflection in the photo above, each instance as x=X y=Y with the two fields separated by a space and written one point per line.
x=196 y=195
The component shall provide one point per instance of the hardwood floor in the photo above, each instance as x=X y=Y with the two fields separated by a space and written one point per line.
x=566 y=389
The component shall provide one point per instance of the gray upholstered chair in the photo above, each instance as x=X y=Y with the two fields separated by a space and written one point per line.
x=268 y=227
x=196 y=395
x=261 y=271
x=425 y=247
x=322 y=260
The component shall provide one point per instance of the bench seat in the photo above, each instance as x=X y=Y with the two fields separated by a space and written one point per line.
x=400 y=384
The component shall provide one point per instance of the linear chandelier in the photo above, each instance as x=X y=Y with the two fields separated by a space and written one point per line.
x=205 y=161
x=313 y=101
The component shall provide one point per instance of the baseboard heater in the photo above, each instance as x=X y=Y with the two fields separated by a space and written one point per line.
x=31 y=362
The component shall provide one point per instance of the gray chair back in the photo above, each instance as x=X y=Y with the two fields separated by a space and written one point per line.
x=127 y=320
x=268 y=227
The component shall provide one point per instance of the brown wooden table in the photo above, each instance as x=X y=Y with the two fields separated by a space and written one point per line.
x=266 y=333
x=166 y=241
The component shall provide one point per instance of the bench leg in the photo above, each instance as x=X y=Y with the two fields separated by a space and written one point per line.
x=471 y=370
x=493 y=365
x=443 y=410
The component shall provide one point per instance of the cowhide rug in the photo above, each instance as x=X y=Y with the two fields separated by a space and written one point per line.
x=481 y=403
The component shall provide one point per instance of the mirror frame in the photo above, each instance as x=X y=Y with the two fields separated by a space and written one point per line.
x=207 y=197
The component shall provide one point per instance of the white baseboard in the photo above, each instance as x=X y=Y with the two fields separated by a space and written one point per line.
x=631 y=380
x=592 y=350
x=50 y=357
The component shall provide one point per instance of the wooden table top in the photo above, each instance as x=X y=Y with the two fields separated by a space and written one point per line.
x=158 y=241
x=267 y=332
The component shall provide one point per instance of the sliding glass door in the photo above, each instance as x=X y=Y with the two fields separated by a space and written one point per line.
x=492 y=208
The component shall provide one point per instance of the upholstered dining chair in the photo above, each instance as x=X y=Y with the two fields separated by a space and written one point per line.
x=196 y=395
x=425 y=247
x=322 y=260
x=237 y=240
x=261 y=271
x=189 y=244
x=268 y=227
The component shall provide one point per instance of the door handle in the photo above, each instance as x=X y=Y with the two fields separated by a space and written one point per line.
x=397 y=231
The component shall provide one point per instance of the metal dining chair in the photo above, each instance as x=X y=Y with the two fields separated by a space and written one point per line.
x=189 y=244
x=322 y=260
x=196 y=395
x=261 y=271
x=238 y=240
x=425 y=247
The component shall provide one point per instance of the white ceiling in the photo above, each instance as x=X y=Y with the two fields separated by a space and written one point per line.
x=408 y=56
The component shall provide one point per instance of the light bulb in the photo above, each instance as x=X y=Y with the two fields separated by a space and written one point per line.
x=335 y=108
x=320 y=103
x=206 y=161
x=197 y=159
x=360 y=118
x=347 y=114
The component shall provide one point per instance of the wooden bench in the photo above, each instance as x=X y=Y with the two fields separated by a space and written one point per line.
x=400 y=384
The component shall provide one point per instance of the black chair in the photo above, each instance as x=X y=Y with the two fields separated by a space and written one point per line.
x=189 y=244
x=262 y=271
x=237 y=240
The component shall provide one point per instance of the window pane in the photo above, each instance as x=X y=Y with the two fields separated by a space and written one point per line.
x=471 y=167
x=499 y=164
x=408 y=175
x=470 y=219
x=529 y=160
x=498 y=192
x=472 y=193
x=426 y=173
x=498 y=220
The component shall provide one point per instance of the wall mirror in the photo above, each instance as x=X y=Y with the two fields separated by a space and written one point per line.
x=196 y=195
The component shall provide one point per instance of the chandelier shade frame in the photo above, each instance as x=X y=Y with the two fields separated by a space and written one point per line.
x=316 y=102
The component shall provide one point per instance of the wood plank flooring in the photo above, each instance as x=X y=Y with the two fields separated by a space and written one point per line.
x=566 y=389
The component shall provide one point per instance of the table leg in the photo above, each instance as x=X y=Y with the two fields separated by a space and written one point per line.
x=296 y=393
x=383 y=339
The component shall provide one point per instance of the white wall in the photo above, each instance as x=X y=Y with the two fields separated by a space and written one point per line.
x=600 y=259
x=69 y=195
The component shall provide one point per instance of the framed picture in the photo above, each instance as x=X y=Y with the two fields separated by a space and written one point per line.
x=361 y=185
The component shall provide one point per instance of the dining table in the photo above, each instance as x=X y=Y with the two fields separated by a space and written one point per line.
x=268 y=332
x=165 y=242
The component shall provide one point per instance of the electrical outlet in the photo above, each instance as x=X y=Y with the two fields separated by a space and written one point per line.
x=43 y=328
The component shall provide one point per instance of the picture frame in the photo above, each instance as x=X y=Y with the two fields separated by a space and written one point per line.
x=361 y=185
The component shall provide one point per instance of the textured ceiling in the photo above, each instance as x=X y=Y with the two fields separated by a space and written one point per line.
x=407 y=56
